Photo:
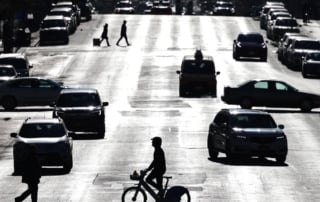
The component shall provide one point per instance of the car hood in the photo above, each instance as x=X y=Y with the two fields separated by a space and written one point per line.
x=259 y=132
x=46 y=140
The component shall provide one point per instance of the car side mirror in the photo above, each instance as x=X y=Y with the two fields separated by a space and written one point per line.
x=281 y=126
x=178 y=72
x=217 y=73
x=30 y=66
x=105 y=103
x=14 y=135
x=234 y=41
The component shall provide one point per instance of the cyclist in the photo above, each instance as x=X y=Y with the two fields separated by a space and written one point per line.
x=157 y=166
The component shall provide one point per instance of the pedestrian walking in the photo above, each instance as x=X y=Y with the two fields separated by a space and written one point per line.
x=104 y=35
x=31 y=175
x=123 y=33
x=157 y=166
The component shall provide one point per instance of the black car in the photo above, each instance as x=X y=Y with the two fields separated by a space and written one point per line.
x=311 y=65
x=241 y=132
x=224 y=8
x=250 y=45
x=81 y=110
x=54 y=29
x=197 y=75
x=270 y=93
x=86 y=9
x=19 y=61
x=124 y=7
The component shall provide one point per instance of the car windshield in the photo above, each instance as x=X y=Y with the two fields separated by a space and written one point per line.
x=198 y=67
x=64 y=13
x=15 y=62
x=250 y=38
x=312 y=45
x=253 y=121
x=124 y=5
x=78 y=100
x=42 y=130
x=7 y=72
x=224 y=4
x=53 y=23
x=314 y=56
x=289 y=22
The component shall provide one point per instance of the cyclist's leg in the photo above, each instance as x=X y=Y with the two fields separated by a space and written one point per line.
x=150 y=178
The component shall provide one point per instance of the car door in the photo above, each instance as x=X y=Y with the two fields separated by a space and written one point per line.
x=47 y=91
x=284 y=95
x=260 y=93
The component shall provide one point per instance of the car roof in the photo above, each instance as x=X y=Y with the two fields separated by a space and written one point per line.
x=39 y=120
x=235 y=111
x=12 y=55
x=78 y=90
x=191 y=57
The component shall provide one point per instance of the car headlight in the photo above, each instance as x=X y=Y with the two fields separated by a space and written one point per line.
x=281 y=137
x=239 y=44
x=263 y=45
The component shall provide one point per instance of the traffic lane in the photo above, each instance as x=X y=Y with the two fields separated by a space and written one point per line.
x=147 y=94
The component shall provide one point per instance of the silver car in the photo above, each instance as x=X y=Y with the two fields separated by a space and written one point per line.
x=29 y=91
x=51 y=139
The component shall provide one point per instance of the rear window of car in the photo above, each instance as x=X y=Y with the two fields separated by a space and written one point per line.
x=42 y=130
x=78 y=100
x=255 y=38
x=253 y=121
x=198 y=67
x=15 y=62
x=288 y=22
x=312 y=45
x=53 y=23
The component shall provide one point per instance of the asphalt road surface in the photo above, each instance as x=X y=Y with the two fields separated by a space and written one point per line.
x=141 y=85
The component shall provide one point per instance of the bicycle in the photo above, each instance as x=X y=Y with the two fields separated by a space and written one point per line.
x=138 y=192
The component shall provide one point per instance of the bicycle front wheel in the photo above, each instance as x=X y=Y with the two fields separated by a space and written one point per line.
x=134 y=194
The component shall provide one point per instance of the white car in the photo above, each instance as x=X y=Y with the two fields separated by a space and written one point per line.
x=52 y=140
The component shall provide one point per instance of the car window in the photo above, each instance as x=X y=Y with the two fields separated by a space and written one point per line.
x=253 y=121
x=23 y=83
x=46 y=84
x=78 y=100
x=288 y=22
x=39 y=130
x=254 y=38
x=314 y=56
x=201 y=67
x=15 y=62
x=7 y=72
x=281 y=86
x=261 y=85
x=312 y=45
x=220 y=119
x=53 y=23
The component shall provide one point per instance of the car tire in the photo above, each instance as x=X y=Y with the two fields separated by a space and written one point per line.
x=281 y=159
x=246 y=103
x=306 y=105
x=9 y=103
x=236 y=56
x=67 y=166
x=304 y=75
x=213 y=154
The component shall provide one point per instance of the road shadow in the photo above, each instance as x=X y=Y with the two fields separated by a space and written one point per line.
x=247 y=161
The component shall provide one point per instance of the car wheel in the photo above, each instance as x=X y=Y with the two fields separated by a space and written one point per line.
x=9 y=103
x=236 y=56
x=306 y=106
x=68 y=165
x=246 y=103
x=281 y=159
x=212 y=152
x=304 y=75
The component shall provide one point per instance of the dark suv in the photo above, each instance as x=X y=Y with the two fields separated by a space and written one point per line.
x=197 y=75
x=243 y=132
x=81 y=110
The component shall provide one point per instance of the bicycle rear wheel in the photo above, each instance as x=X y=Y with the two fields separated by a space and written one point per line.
x=178 y=194
x=134 y=194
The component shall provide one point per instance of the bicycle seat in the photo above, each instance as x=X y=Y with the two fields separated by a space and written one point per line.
x=167 y=177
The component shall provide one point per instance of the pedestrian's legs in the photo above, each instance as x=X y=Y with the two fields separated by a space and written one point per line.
x=34 y=192
x=107 y=40
x=119 y=40
x=126 y=38
x=24 y=195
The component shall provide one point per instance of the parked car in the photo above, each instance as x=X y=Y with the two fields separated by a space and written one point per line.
x=311 y=64
x=161 y=8
x=82 y=110
x=241 y=132
x=264 y=12
x=282 y=25
x=68 y=4
x=68 y=15
x=19 y=61
x=53 y=143
x=298 y=49
x=197 y=75
x=224 y=8
x=250 y=45
x=54 y=29
x=272 y=19
x=29 y=91
x=270 y=93
x=124 y=7
x=284 y=43
x=7 y=72
x=86 y=9
x=147 y=7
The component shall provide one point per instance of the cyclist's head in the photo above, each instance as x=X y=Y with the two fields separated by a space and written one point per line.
x=156 y=141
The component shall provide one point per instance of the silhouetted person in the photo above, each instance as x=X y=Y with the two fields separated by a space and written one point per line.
x=31 y=175
x=198 y=55
x=157 y=166
x=104 y=34
x=123 y=33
